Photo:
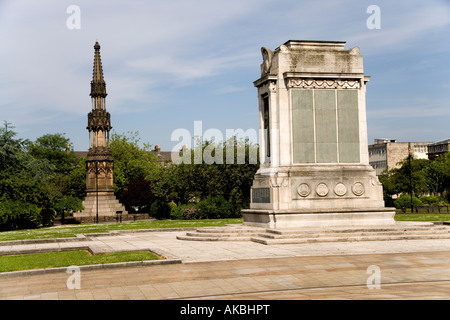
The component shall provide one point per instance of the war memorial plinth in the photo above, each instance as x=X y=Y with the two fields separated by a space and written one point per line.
x=313 y=147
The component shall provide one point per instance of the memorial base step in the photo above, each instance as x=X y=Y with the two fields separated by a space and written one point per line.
x=398 y=231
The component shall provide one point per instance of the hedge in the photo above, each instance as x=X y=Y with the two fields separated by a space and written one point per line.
x=19 y=215
x=209 y=208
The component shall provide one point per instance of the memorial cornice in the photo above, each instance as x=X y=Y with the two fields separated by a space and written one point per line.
x=266 y=78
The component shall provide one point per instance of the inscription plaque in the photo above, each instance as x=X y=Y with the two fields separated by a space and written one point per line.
x=261 y=195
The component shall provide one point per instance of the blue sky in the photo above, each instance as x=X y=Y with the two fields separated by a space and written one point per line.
x=170 y=63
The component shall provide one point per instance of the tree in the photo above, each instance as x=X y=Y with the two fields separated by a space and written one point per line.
x=56 y=149
x=69 y=173
x=138 y=195
x=436 y=177
x=35 y=178
x=428 y=178
x=12 y=150
x=131 y=162
x=399 y=177
x=68 y=204
x=22 y=177
x=230 y=178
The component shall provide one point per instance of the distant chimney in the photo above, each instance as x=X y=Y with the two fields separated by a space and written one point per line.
x=157 y=148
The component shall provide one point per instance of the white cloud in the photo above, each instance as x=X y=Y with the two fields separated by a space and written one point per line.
x=416 y=107
x=150 y=47
x=185 y=68
x=403 y=27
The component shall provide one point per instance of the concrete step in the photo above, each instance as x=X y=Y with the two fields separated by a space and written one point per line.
x=100 y=202
x=214 y=238
x=232 y=230
x=399 y=231
x=271 y=234
x=227 y=233
x=267 y=241
x=387 y=228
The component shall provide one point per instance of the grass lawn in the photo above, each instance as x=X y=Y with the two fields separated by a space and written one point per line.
x=422 y=217
x=66 y=231
x=69 y=258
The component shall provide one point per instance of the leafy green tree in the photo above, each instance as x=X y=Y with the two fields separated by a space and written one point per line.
x=427 y=177
x=435 y=177
x=18 y=215
x=12 y=149
x=22 y=177
x=230 y=175
x=68 y=176
x=400 y=177
x=68 y=204
x=56 y=149
x=131 y=162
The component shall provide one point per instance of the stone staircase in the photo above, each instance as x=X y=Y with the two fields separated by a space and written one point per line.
x=226 y=233
x=108 y=205
x=398 y=231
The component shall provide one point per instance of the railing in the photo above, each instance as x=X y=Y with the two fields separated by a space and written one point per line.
x=428 y=209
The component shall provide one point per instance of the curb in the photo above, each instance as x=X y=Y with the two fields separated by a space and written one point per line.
x=90 y=267
x=167 y=259
x=85 y=236
x=78 y=237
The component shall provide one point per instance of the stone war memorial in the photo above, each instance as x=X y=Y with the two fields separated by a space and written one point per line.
x=100 y=203
x=315 y=182
x=314 y=153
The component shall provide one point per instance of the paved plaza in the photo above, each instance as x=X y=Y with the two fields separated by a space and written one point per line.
x=237 y=270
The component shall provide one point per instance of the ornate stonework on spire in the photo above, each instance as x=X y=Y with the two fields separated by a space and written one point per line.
x=100 y=199
x=98 y=85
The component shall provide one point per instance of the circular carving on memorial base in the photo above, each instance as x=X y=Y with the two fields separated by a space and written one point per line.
x=358 y=189
x=304 y=190
x=322 y=189
x=340 y=189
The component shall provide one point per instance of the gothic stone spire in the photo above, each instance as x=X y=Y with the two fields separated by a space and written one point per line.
x=99 y=122
x=98 y=85
x=100 y=202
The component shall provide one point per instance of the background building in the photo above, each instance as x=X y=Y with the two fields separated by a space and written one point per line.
x=438 y=148
x=387 y=153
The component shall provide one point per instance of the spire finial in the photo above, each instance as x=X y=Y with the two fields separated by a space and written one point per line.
x=98 y=85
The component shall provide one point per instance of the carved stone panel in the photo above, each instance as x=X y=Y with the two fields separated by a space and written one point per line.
x=303 y=190
x=340 y=189
x=322 y=189
x=358 y=189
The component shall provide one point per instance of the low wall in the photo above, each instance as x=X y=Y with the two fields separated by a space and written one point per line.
x=118 y=218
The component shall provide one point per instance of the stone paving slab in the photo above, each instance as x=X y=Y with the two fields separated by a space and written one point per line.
x=410 y=269
x=192 y=251
x=291 y=278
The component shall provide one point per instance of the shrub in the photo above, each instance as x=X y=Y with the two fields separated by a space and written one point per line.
x=217 y=208
x=175 y=211
x=431 y=200
x=19 y=215
x=160 y=210
x=189 y=211
x=405 y=201
x=48 y=217
x=210 y=208
x=6 y=215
